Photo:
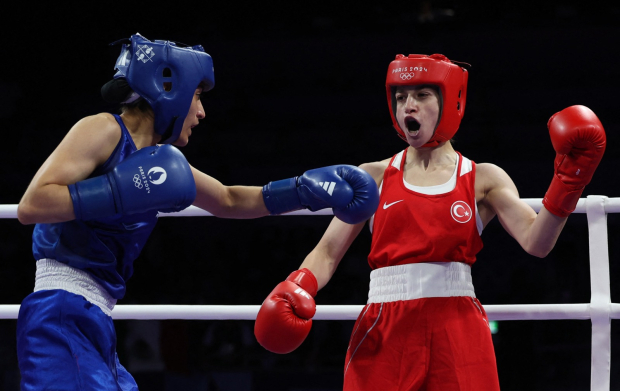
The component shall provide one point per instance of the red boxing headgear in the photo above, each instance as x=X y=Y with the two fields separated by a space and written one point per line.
x=437 y=70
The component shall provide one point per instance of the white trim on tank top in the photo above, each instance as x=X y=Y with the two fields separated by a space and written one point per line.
x=437 y=189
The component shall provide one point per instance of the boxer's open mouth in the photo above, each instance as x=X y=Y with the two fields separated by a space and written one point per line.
x=412 y=124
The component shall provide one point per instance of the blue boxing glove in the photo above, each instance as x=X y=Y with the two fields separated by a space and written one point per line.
x=152 y=178
x=348 y=190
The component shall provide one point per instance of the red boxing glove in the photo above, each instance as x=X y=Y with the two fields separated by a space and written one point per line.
x=579 y=140
x=285 y=318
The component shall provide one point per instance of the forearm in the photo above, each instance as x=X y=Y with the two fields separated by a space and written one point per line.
x=323 y=260
x=48 y=204
x=321 y=266
x=232 y=202
x=543 y=233
x=246 y=202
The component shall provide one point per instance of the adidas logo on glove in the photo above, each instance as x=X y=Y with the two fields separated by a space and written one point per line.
x=328 y=186
x=303 y=292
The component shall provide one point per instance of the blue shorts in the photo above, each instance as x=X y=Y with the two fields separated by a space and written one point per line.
x=66 y=343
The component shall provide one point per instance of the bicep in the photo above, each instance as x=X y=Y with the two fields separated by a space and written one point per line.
x=513 y=213
x=83 y=149
x=86 y=146
x=211 y=194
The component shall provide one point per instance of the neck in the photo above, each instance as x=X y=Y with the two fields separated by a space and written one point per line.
x=441 y=155
x=141 y=128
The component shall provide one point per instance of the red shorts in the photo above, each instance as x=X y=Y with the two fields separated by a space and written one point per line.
x=437 y=343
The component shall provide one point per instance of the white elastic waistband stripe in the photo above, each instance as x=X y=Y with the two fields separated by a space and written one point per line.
x=52 y=274
x=420 y=280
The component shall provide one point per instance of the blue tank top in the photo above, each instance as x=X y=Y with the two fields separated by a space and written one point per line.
x=105 y=248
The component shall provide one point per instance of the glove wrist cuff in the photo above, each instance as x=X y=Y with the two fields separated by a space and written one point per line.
x=93 y=198
x=560 y=200
x=305 y=279
x=281 y=196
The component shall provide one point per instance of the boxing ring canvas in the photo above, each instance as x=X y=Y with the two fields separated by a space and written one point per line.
x=600 y=310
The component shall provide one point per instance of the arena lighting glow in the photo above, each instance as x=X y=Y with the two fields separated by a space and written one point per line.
x=493 y=325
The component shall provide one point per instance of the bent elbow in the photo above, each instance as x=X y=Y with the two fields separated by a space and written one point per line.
x=538 y=252
x=25 y=215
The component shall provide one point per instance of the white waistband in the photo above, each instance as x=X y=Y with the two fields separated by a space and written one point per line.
x=52 y=274
x=419 y=280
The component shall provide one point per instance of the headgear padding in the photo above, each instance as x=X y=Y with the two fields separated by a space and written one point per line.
x=166 y=76
x=437 y=70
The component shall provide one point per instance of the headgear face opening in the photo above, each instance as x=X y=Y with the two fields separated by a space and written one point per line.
x=166 y=76
x=438 y=70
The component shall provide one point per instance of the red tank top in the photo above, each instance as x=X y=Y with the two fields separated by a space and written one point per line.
x=412 y=227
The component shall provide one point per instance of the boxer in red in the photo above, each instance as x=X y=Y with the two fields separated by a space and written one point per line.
x=423 y=328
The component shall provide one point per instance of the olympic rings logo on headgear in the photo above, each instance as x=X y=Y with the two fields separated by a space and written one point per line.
x=137 y=182
x=437 y=70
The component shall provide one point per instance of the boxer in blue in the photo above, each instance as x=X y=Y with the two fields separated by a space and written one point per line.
x=95 y=202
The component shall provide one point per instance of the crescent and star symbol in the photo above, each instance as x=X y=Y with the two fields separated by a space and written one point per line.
x=456 y=211
x=461 y=212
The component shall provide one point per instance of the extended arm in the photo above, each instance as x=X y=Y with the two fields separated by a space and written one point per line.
x=536 y=233
x=285 y=318
x=579 y=139
x=323 y=260
x=237 y=202
x=348 y=190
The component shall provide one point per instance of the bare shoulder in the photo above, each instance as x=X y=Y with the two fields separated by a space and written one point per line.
x=488 y=169
x=91 y=140
x=376 y=169
x=100 y=126
x=491 y=177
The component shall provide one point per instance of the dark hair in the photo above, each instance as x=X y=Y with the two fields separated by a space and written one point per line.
x=117 y=91
x=140 y=104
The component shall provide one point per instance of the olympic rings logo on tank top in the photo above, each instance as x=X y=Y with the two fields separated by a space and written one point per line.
x=461 y=212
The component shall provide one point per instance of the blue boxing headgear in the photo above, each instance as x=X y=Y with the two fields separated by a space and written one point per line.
x=166 y=76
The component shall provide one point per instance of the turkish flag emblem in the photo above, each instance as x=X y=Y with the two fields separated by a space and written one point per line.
x=461 y=212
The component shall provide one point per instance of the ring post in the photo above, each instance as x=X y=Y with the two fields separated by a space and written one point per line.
x=600 y=304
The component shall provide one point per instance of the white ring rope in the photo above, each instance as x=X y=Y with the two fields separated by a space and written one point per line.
x=328 y=312
x=600 y=310
x=612 y=205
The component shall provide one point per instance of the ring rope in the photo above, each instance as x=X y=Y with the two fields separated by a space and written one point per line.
x=612 y=205
x=328 y=312
x=600 y=310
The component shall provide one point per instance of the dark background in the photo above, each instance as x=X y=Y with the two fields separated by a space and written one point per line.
x=299 y=86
